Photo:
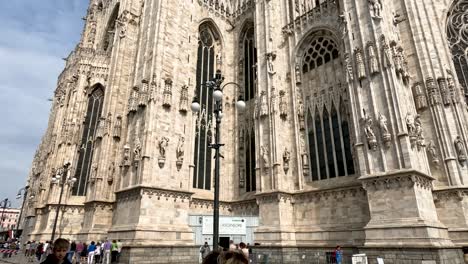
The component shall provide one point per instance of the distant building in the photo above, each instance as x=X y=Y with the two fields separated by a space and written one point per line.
x=9 y=219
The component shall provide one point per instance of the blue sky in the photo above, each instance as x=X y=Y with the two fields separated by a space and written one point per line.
x=35 y=36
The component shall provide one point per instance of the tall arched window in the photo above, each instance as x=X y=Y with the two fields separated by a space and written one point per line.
x=249 y=76
x=458 y=41
x=109 y=34
x=326 y=120
x=204 y=133
x=83 y=168
x=250 y=63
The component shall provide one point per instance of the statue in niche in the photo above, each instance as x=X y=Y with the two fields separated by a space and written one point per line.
x=375 y=7
x=180 y=149
x=386 y=136
x=264 y=152
x=117 y=127
x=419 y=96
x=349 y=67
x=163 y=144
x=167 y=93
x=101 y=127
x=419 y=132
x=143 y=95
x=133 y=100
x=92 y=33
x=451 y=86
x=183 y=104
x=270 y=66
x=373 y=62
x=286 y=159
x=300 y=115
x=460 y=149
x=126 y=156
x=137 y=150
x=432 y=151
x=343 y=25
x=406 y=74
x=432 y=91
x=361 y=68
x=369 y=131
x=282 y=105
x=398 y=59
x=387 y=53
x=297 y=70
x=263 y=104
x=444 y=91
x=110 y=177
x=273 y=100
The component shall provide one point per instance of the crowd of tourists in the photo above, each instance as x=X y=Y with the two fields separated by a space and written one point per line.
x=104 y=252
x=235 y=254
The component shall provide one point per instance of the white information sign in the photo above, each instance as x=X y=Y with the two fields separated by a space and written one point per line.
x=380 y=261
x=227 y=226
x=359 y=259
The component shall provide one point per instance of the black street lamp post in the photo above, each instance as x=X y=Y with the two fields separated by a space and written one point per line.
x=62 y=178
x=23 y=191
x=215 y=86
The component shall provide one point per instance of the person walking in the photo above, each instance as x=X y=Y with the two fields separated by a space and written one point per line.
x=204 y=251
x=119 y=249
x=71 y=252
x=32 y=251
x=338 y=255
x=114 y=251
x=97 y=253
x=91 y=251
x=106 y=252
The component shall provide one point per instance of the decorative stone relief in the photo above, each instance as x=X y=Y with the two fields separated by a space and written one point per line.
x=126 y=156
x=286 y=159
x=460 y=150
x=283 y=107
x=375 y=7
x=152 y=92
x=369 y=131
x=273 y=101
x=432 y=151
x=110 y=177
x=180 y=153
x=300 y=115
x=373 y=61
x=167 y=93
x=265 y=158
x=184 y=100
x=92 y=33
x=419 y=96
x=163 y=144
x=444 y=91
x=361 y=68
x=415 y=131
x=263 y=104
x=349 y=67
x=386 y=136
x=297 y=70
x=117 y=128
x=386 y=53
x=343 y=25
x=143 y=98
x=133 y=100
x=270 y=57
x=137 y=151
x=101 y=128
x=451 y=85
x=433 y=92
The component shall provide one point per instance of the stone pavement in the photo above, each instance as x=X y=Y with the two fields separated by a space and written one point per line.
x=16 y=259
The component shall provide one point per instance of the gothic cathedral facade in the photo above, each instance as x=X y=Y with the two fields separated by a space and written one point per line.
x=355 y=130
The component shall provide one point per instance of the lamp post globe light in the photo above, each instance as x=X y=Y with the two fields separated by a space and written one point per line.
x=215 y=87
x=23 y=192
x=62 y=178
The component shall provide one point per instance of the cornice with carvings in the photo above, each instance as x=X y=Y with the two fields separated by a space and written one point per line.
x=446 y=194
x=399 y=180
x=242 y=205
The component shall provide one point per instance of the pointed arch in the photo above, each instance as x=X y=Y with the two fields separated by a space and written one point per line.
x=109 y=33
x=249 y=59
x=93 y=113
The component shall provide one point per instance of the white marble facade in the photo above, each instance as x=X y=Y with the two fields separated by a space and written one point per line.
x=379 y=74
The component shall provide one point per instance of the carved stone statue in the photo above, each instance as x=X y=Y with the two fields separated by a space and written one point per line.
x=163 y=144
x=419 y=96
x=137 y=150
x=369 y=132
x=432 y=151
x=444 y=91
x=283 y=105
x=183 y=104
x=373 y=62
x=375 y=7
x=126 y=156
x=433 y=92
x=263 y=104
x=361 y=68
x=286 y=159
x=297 y=70
x=270 y=66
x=180 y=149
x=398 y=59
x=117 y=127
x=264 y=152
x=419 y=132
x=300 y=115
x=167 y=93
x=460 y=149
x=349 y=67
x=386 y=136
x=387 y=53
x=143 y=95
x=343 y=25
x=133 y=100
